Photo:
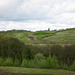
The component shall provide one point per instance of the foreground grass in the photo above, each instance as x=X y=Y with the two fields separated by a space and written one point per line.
x=36 y=71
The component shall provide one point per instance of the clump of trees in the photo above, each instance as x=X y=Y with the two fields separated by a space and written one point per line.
x=14 y=52
x=15 y=49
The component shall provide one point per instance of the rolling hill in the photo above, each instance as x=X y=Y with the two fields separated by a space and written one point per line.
x=66 y=36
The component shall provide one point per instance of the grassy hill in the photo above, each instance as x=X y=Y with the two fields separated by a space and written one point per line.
x=65 y=35
x=40 y=37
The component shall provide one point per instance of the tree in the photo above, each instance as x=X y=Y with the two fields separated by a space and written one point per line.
x=48 y=29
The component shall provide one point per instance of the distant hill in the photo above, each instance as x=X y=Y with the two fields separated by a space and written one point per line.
x=66 y=36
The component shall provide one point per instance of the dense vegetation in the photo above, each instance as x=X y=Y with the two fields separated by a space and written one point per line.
x=14 y=52
x=41 y=49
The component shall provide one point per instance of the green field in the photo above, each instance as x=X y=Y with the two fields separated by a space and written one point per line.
x=42 y=34
x=67 y=35
x=20 y=70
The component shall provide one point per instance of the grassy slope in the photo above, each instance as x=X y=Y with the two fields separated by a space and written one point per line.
x=63 y=37
x=42 y=34
x=39 y=36
x=23 y=35
x=37 y=71
x=67 y=35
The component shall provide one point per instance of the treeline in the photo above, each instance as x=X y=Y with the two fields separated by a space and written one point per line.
x=64 y=53
x=16 y=51
x=14 y=31
x=14 y=48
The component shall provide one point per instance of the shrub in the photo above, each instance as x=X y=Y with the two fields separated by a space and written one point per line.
x=64 y=66
x=43 y=63
x=16 y=63
x=38 y=57
x=24 y=63
x=1 y=61
x=39 y=61
x=8 y=62
x=55 y=62
x=72 y=67
x=31 y=63
x=52 y=62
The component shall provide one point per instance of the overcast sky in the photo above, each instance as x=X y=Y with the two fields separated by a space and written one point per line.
x=37 y=14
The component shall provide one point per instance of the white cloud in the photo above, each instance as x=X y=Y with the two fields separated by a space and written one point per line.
x=16 y=14
x=32 y=25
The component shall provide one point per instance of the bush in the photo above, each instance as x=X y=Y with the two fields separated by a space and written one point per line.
x=64 y=66
x=55 y=62
x=31 y=63
x=8 y=62
x=43 y=63
x=1 y=61
x=52 y=62
x=38 y=57
x=72 y=67
x=39 y=61
x=16 y=63
x=25 y=63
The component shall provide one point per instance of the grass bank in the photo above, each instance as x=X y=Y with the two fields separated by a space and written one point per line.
x=20 y=70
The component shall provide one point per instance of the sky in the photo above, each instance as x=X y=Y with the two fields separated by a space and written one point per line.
x=37 y=15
